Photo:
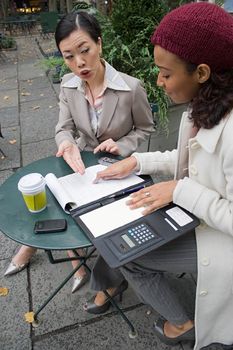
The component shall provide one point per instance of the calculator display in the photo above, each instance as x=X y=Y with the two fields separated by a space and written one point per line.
x=128 y=241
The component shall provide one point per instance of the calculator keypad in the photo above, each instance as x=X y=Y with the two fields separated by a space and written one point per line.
x=141 y=234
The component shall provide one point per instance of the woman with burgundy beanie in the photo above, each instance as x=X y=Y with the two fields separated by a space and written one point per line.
x=193 y=49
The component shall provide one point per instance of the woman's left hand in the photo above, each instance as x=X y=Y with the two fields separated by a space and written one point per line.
x=108 y=146
x=153 y=197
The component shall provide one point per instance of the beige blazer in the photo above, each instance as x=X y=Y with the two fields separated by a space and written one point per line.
x=126 y=115
x=204 y=165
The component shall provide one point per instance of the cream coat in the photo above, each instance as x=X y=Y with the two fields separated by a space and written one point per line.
x=126 y=116
x=204 y=164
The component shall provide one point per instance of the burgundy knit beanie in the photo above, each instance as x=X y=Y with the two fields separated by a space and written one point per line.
x=198 y=33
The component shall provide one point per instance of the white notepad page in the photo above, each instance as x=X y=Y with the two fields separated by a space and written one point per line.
x=110 y=217
x=77 y=190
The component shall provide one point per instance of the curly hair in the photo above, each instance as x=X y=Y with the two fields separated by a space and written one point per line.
x=214 y=99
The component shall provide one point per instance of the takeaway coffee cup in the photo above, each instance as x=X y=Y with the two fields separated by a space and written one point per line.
x=33 y=190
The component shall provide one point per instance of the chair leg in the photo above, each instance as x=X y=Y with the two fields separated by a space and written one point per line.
x=132 y=332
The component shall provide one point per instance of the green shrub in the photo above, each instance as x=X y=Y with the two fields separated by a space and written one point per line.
x=127 y=46
x=7 y=42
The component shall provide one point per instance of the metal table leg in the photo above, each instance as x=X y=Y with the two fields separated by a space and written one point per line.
x=56 y=261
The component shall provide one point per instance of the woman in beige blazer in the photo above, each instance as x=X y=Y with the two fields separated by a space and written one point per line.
x=193 y=48
x=101 y=109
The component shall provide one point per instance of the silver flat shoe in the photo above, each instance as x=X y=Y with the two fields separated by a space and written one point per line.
x=14 y=268
x=79 y=282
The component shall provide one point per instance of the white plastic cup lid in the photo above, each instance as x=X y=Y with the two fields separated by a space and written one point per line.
x=31 y=183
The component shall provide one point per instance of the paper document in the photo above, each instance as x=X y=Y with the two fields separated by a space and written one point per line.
x=76 y=190
x=110 y=217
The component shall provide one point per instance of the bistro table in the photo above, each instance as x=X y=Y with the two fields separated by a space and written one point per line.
x=17 y=223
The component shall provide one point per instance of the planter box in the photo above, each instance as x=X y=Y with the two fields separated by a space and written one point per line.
x=14 y=48
x=159 y=141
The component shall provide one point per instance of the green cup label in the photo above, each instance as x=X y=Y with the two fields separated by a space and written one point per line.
x=35 y=202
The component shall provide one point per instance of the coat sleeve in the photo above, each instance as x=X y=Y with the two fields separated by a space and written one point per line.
x=153 y=163
x=65 y=128
x=208 y=204
x=142 y=120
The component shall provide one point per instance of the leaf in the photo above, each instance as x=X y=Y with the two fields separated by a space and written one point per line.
x=6 y=97
x=4 y=291
x=29 y=316
x=12 y=142
x=35 y=107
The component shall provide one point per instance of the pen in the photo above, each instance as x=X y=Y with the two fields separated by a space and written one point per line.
x=87 y=207
x=127 y=191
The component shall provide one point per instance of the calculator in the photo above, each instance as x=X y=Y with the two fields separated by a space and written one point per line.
x=141 y=236
x=135 y=236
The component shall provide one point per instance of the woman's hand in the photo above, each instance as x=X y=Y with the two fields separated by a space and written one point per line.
x=108 y=146
x=70 y=152
x=153 y=197
x=117 y=170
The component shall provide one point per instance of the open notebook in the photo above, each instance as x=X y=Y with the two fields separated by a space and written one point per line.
x=78 y=191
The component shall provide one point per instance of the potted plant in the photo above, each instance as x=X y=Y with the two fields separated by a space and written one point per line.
x=55 y=67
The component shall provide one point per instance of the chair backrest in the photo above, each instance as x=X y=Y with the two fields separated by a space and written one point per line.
x=48 y=21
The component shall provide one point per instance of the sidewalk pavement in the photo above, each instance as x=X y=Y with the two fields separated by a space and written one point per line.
x=28 y=115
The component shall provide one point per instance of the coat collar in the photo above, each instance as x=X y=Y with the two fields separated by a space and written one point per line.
x=112 y=78
x=208 y=138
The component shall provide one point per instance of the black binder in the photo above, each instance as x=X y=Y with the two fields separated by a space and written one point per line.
x=128 y=242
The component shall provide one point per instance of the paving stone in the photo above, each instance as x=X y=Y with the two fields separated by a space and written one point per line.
x=36 y=94
x=107 y=333
x=38 y=125
x=7 y=247
x=9 y=98
x=40 y=106
x=8 y=72
x=11 y=151
x=4 y=175
x=34 y=84
x=8 y=83
x=31 y=70
x=38 y=150
x=9 y=116
x=15 y=332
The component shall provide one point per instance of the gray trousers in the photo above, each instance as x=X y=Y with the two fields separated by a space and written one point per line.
x=147 y=276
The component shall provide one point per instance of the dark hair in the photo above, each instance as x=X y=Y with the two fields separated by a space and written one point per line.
x=74 y=21
x=214 y=100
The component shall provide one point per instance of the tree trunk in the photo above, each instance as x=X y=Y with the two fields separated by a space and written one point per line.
x=4 y=8
x=69 y=5
x=52 y=5
x=62 y=6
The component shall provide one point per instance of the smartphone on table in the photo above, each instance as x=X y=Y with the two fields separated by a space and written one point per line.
x=107 y=161
x=49 y=226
